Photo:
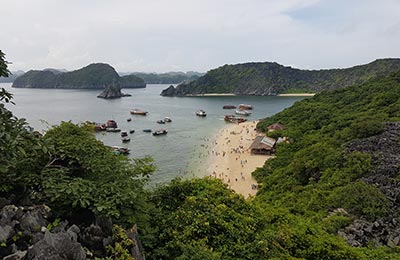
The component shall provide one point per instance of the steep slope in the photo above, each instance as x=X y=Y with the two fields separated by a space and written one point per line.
x=272 y=78
x=93 y=76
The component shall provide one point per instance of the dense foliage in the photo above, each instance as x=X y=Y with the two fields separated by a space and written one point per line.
x=168 y=78
x=93 y=76
x=272 y=78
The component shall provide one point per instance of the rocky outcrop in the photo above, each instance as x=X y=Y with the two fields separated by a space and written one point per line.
x=169 y=92
x=384 y=150
x=112 y=91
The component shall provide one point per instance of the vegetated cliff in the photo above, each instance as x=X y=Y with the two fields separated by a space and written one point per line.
x=168 y=77
x=93 y=76
x=112 y=91
x=270 y=78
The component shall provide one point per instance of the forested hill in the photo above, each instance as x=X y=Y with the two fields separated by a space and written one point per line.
x=270 y=78
x=168 y=77
x=93 y=76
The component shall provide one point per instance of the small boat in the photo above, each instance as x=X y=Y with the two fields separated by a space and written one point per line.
x=147 y=130
x=100 y=127
x=111 y=124
x=245 y=107
x=120 y=150
x=129 y=119
x=234 y=119
x=167 y=119
x=243 y=112
x=201 y=113
x=160 y=121
x=229 y=107
x=123 y=134
x=139 y=112
x=113 y=129
x=161 y=132
x=131 y=131
x=125 y=139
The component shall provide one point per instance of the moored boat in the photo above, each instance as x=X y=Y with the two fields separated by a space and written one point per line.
x=129 y=119
x=229 y=107
x=120 y=150
x=243 y=112
x=160 y=121
x=111 y=124
x=201 y=113
x=123 y=134
x=147 y=130
x=234 y=119
x=167 y=119
x=113 y=129
x=125 y=139
x=139 y=112
x=245 y=107
x=160 y=132
x=131 y=131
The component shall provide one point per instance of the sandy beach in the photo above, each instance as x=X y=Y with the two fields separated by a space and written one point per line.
x=297 y=95
x=231 y=160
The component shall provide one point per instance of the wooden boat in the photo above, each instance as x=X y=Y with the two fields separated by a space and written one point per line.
x=131 y=131
x=160 y=121
x=111 y=124
x=120 y=150
x=167 y=119
x=234 y=119
x=160 y=132
x=245 y=107
x=125 y=139
x=229 y=107
x=201 y=113
x=243 y=112
x=147 y=130
x=123 y=134
x=139 y=112
x=113 y=129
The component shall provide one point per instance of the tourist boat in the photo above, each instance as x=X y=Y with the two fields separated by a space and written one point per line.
x=113 y=129
x=229 y=107
x=125 y=139
x=111 y=124
x=234 y=119
x=243 y=112
x=245 y=107
x=131 y=131
x=160 y=121
x=129 y=119
x=161 y=132
x=139 y=112
x=201 y=113
x=147 y=130
x=120 y=150
x=167 y=119
x=123 y=134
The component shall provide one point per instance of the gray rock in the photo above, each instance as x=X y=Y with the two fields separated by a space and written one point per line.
x=137 y=250
x=7 y=213
x=112 y=91
x=16 y=256
x=168 y=92
x=6 y=232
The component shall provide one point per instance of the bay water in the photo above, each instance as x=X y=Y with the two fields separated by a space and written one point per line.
x=182 y=152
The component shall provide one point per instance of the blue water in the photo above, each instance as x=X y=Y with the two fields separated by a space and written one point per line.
x=174 y=154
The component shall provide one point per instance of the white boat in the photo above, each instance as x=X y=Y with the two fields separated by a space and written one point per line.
x=201 y=113
x=242 y=112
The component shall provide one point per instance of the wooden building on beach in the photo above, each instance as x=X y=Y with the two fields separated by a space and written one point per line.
x=263 y=145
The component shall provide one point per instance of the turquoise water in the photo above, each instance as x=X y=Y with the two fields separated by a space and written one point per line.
x=179 y=153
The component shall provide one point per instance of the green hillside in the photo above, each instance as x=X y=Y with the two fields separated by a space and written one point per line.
x=93 y=76
x=269 y=78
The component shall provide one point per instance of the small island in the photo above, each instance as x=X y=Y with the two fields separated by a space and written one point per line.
x=112 y=91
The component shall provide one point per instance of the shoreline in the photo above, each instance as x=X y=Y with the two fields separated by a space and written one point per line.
x=231 y=161
x=296 y=95
x=211 y=95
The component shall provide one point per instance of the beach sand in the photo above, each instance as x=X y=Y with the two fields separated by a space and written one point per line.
x=231 y=160
x=297 y=95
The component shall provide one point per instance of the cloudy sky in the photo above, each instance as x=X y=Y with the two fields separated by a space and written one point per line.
x=183 y=35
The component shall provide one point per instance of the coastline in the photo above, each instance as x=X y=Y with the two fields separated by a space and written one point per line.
x=231 y=161
x=211 y=95
x=297 y=95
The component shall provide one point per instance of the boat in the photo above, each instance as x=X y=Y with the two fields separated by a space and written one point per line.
x=160 y=121
x=123 y=134
x=243 y=112
x=147 y=130
x=234 y=119
x=125 y=139
x=201 y=113
x=139 y=112
x=100 y=127
x=245 y=107
x=113 y=129
x=120 y=150
x=229 y=107
x=129 y=119
x=131 y=131
x=111 y=124
x=161 y=132
x=167 y=119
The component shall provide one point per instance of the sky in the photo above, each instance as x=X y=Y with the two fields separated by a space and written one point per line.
x=188 y=35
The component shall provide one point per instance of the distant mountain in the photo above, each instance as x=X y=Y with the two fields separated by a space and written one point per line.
x=168 y=77
x=93 y=76
x=12 y=76
x=270 y=78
